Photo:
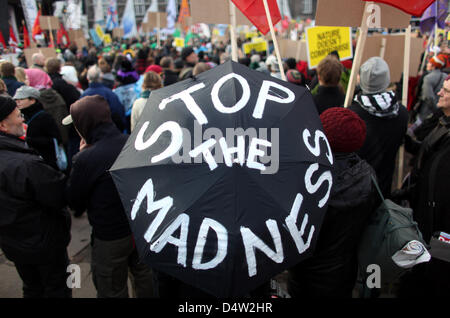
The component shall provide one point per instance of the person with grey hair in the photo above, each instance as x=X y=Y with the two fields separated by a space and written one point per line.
x=386 y=120
x=38 y=60
x=97 y=88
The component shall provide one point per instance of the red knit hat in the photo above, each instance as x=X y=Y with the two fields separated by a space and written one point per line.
x=345 y=131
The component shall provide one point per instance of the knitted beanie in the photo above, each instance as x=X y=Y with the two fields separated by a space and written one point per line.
x=7 y=106
x=438 y=61
x=345 y=131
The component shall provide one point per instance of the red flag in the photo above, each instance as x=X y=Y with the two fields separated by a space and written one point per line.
x=37 y=26
x=413 y=7
x=12 y=37
x=2 y=40
x=62 y=37
x=254 y=11
x=26 y=36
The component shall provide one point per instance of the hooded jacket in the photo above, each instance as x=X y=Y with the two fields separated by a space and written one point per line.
x=90 y=186
x=332 y=270
x=33 y=223
x=55 y=105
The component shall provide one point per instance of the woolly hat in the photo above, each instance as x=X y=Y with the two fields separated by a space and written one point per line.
x=374 y=76
x=438 y=61
x=154 y=68
x=294 y=76
x=7 y=106
x=345 y=131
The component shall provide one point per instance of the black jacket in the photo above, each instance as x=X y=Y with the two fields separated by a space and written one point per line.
x=383 y=138
x=170 y=77
x=41 y=131
x=68 y=92
x=90 y=186
x=332 y=270
x=33 y=223
x=328 y=97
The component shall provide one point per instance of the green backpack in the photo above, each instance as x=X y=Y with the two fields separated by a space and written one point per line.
x=389 y=229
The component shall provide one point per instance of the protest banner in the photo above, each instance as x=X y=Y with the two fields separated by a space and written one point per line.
x=75 y=34
x=48 y=52
x=203 y=11
x=49 y=22
x=393 y=53
x=81 y=42
x=323 y=40
x=99 y=31
x=350 y=13
x=295 y=49
x=260 y=46
x=179 y=42
x=118 y=33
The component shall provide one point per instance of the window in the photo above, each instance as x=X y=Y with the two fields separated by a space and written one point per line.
x=307 y=6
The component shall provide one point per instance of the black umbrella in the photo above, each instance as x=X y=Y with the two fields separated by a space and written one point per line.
x=225 y=179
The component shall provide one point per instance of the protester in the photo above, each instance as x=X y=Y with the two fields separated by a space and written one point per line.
x=332 y=270
x=168 y=65
x=152 y=81
x=42 y=129
x=34 y=227
x=21 y=76
x=38 y=60
x=329 y=93
x=7 y=71
x=91 y=188
x=386 y=120
x=200 y=68
x=273 y=67
x=3 y=89
x=105 y=65
x=431 y=85
x=429 y=199
x=189 y=58
x=97 y=88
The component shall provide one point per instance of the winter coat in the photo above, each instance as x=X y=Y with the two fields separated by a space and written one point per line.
x=117 y=109
x=67 y=91
x=170 y=77
x=33 y=223
x=55 y=105
x=90 y=186
x=327 y=97
x=12 y=84
x=332 y=270
x=384 y=135
x=138 y=108
x=41 y=131
x=430 y=202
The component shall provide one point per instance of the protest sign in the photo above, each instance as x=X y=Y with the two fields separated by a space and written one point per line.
x=107 y=39
x=99 y=31
x=49 y=22
x=393 y=53
x=179 y=42
x=217 y=12
x=47 y=51
x=157 y=19
x=81 y=42
x=258 y=46
x=323 y=40
x=118 y=33
x=350 y=13
x=295 y=49
x=75 y=34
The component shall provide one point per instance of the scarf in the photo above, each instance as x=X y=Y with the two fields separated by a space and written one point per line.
x=379 y=104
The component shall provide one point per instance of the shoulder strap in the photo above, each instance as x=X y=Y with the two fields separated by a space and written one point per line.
x=377 y=187
x=34 y=116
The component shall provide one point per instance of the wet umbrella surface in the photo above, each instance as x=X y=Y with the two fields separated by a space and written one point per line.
x=225 y=179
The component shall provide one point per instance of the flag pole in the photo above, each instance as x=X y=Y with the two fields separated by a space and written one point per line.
x=407 y=56
x=234 y=50
x=358 y=55
x=275 y=43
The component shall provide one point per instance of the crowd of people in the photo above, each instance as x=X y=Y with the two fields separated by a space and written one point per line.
x=88 y=101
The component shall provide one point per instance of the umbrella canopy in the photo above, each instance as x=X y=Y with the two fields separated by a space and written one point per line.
x=225 y=179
